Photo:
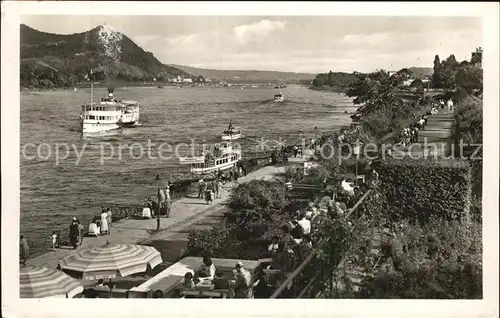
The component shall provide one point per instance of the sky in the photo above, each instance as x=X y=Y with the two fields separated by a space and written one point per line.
x=309 y=44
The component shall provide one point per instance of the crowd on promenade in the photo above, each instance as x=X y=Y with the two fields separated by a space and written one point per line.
x=101 y=225
x=409 y=135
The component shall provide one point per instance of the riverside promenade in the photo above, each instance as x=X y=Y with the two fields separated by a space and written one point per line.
x=436 y=137
x=185 y=212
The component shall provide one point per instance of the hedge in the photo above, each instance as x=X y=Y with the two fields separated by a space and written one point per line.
x=422 y=189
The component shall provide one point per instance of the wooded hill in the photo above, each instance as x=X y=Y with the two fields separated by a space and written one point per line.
x=59 y=60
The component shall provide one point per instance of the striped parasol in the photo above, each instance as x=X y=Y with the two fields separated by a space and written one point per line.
x=38 y=282
x=110 y=261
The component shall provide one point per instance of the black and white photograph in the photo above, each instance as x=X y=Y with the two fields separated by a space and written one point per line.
x=251 y=156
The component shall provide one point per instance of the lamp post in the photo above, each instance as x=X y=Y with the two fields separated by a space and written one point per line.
x=356 y=150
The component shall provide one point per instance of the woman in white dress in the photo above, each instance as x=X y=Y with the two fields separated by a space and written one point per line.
x=104 y=222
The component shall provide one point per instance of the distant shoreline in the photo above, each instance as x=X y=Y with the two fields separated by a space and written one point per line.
x=135 y=84
x=333 y=89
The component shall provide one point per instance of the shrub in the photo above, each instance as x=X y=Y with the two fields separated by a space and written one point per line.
x=201 y=242
x=256 y=214
x=420 y=189
x=258 y=195
x=442 y=260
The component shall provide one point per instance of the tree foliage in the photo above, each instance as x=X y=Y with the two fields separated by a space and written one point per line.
x=383 y=104
x=334 y=80
x=436 y=76
x=470 y=78
x=450 y=73
x=468 y=120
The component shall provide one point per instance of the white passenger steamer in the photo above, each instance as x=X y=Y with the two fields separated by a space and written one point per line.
x=223 y=156
x=108 y=114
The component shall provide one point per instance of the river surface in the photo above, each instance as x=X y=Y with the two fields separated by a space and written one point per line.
x=82 y=180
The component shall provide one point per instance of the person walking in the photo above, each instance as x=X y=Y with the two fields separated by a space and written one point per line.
x=161 y=199
x=24 y=250
x=109 y=219
x=53 y=239
x=80 y=233
x=216 y=188
x=168 y=202
x=104 y=223
x=73 y=233
x=220 y=184
x=201 y=188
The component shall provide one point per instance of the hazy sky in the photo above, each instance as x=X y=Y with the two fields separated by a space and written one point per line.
x=291 y=43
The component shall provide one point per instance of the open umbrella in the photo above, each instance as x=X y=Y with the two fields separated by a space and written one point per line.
x=110 y=261
x=39 y=282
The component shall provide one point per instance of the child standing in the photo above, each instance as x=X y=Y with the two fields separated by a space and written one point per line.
x=208 y=196
x=53 y=239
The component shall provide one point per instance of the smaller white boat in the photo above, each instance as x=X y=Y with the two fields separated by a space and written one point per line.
x=279 y=97
x=231 y=133
x=74 y=89
x=223 y=156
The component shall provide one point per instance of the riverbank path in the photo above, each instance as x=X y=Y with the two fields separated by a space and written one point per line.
x=138 y=231
x=437 y=136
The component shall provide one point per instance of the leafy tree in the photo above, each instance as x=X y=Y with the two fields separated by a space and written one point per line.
x=468 y=120
x=470 y=78
x=383 y=104
x=335 y=80
x=449 y=68
x=436 y=76
x=330 y=79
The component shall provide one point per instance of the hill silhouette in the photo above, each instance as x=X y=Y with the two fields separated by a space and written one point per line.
x=58 y=60
x=248 y=76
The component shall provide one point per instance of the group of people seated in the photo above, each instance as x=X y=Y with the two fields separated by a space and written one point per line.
x=301 y=233
x=212 y=278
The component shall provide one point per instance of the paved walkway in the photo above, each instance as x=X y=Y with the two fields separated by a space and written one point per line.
x=437 y=132
x=185 y=212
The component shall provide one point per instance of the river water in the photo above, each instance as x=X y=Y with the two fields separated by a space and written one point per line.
x=87 y=175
